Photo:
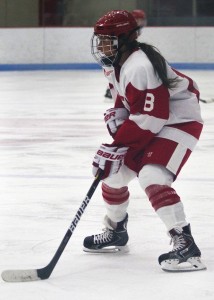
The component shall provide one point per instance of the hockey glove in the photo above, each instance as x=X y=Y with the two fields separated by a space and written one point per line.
x=109 y=159
x=114 y=118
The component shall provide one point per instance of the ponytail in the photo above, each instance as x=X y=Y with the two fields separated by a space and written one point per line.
x=159 y=64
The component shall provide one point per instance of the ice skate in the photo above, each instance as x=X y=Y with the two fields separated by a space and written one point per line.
x=185 y=255
x=110 y=241
x=108 y=96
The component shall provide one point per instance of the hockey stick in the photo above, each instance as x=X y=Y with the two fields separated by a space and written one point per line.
x=211 y=100
x=44 y=273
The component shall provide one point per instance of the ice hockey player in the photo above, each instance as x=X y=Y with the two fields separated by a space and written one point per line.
x=155 y=125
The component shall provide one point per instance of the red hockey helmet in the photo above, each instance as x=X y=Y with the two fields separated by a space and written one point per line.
x=118 y=28
x=140 y=17
x=115 y=23
x=139 y=14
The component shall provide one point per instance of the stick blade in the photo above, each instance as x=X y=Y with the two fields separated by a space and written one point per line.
x=20 y=275
x=209 y=100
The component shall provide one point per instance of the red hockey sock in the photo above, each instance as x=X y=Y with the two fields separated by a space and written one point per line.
x=114 y=196
x=161 y=195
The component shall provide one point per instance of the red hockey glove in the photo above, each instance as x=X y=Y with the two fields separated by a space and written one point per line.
x=109 y=159
x=114 y=118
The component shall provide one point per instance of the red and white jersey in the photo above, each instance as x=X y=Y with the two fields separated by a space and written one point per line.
x=155 y=110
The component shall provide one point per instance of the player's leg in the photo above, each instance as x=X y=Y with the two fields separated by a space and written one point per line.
x=162 y=161
x=116 y=198
x=156 y=181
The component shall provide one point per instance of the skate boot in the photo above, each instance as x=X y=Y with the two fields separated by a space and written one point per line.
x=108 y=94
x=111 y=240
x=185 y=255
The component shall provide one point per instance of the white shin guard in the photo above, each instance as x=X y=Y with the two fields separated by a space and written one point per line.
x=171 y=215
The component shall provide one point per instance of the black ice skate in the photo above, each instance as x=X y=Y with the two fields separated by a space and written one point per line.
x=185 y=255
x=111 y=240
x=108 y=94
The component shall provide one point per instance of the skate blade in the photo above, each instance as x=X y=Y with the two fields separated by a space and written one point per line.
x=192 y=264
x=109 y=249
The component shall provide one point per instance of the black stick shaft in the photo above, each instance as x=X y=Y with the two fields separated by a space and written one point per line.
x=45 y=272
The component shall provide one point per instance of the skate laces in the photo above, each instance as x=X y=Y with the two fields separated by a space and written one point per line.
x=104 y=237
x=178 y=242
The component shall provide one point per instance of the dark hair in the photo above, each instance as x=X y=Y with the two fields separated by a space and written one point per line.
x=159 y=64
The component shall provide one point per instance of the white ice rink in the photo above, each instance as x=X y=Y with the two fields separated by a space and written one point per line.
x=51 y=124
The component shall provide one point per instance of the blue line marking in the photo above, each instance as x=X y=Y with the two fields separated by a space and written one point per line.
x=91 y=66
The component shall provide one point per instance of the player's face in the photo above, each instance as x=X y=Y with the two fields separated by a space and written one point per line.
x=107 y=45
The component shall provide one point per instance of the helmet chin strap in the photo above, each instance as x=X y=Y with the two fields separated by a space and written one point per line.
x=117 y=58
x=112 y=60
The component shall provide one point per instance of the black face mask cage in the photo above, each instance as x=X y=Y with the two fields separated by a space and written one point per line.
x=110 y=42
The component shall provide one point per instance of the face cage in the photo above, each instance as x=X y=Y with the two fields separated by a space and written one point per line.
x=100 y=41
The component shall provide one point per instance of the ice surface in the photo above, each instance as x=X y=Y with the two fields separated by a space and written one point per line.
x=51 y=123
